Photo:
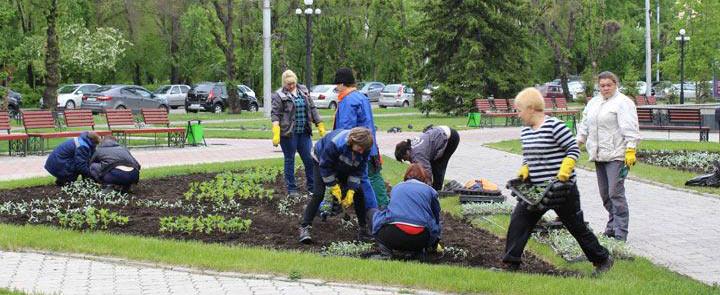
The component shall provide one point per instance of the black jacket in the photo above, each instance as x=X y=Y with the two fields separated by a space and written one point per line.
x=110 y=154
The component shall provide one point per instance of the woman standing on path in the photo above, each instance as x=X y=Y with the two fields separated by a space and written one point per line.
x=291 y=115
x=610 y=131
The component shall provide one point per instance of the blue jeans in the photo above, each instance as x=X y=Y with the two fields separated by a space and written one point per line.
x=302 y=144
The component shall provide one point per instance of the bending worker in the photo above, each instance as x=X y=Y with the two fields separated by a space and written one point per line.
x=411 y=222
x=112 y=164
x=340 y=159
x=72 y=158
x=432 y=150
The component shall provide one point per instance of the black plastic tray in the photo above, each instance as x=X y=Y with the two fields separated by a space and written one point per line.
x=512 y=186
x=482 y=199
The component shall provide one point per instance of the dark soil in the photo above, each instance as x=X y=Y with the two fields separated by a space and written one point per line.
x=271 y=229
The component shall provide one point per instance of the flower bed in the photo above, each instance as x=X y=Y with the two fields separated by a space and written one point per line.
x=693 y=161
x=248 y=207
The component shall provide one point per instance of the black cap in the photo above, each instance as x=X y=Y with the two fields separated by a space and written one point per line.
x=344 y=76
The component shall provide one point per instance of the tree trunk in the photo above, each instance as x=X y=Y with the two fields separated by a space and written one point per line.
x=174 y=48
x=130 y=17
x=52 y=56
x=228 y=48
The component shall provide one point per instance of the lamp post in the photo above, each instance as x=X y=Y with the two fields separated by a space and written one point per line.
x=308 y=12
x=682 y=40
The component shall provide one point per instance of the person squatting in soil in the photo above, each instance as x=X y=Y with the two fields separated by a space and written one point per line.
x=549 y=150
x=354 y=110
x=432 y=150
x=340 y=161
x=292 y=113
x=411 y=222
x=113 y=165
x=610 y=131
x=71 y=158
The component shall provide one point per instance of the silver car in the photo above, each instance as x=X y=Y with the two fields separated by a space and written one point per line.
x=371 y=89
x=174 y=94
x=396 y=95
x=324 y=96
x=121 y=97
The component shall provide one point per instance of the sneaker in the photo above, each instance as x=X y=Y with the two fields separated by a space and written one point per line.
x=305 y=234
x=602 y=267
x=363 y=235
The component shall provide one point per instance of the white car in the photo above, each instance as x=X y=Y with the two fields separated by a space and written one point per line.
x=324 y=96
x=174 y=94
x=246 y=90
x=688 y=89
x=396 y=95
x=575 y=88
x=70 y=96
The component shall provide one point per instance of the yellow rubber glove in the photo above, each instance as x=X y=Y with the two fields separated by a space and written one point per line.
x=276 y=134
x=321 y=129
x=630 y=157
x=566 y=169
x=348 y=199
x=524 y=172
x=336 y=192
x=439 y=248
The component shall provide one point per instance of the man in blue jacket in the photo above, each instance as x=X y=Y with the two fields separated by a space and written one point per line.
x=340 y=159
x=354 y=110
x=72 y=158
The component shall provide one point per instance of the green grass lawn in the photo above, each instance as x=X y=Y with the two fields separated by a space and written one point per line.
x=9 y=292
x=675 y=178
x=628 y=277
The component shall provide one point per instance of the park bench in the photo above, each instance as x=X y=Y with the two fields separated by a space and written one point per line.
x=488 y=113
x=82 y=118
x=640 y=100
x=17 y=142
x=678 y=120
x=123 y=117
x=38 y=140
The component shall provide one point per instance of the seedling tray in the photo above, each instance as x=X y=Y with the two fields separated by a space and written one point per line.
x=515 y=185
x=481 y=199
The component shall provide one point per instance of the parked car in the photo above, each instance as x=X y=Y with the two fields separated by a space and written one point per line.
x=662 y=89
x=575 y=88
x=174 y=94
x=396 y=95
x=427 y=92
x=14 y=102
x=247 y=91
x=324 y=96
x=121 y=97
x=551 y=90
x=688 y=89
x=371 y=89
x=213 y=97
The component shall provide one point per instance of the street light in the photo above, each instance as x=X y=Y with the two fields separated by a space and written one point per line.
x=682 y=40
x=308 y=12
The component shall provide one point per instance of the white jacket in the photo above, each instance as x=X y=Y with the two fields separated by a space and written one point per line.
x=608 y=127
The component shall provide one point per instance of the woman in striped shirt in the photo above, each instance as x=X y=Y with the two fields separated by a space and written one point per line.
x=549 y=152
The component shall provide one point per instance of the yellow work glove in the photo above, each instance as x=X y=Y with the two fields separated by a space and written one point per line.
x=630 y=157
x=566 y=169
x=439 y=248
x=524 y=172
x=348 y=199
x=276 y=134
x=321 y=129
x=336 y=192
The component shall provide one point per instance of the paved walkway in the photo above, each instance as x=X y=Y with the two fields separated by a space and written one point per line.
x=49 y=273
x=673 y=228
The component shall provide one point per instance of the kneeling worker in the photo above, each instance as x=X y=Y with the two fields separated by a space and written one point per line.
x=550 y=151
x=71 y=158
x=112 y=164
x=411 y=222
x=432 y=150
x=340 y=160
